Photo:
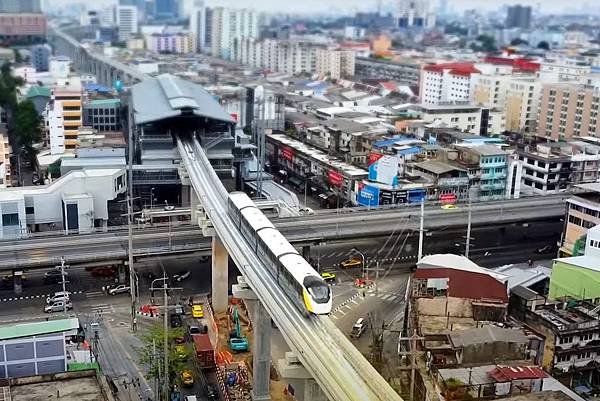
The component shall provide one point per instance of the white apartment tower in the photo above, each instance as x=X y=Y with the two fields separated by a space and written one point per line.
x=228 y=25
x=198 y=25
x=336 y=63
x=127 y=21
x=414 y=14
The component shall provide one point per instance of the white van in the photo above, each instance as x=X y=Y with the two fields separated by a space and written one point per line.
x=191 y=398
x=358 y=328
x=59 y=297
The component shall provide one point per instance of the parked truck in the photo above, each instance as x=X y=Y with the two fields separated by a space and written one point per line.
x=204 y=351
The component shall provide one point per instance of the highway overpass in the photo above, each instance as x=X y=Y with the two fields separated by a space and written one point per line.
x=300 y=231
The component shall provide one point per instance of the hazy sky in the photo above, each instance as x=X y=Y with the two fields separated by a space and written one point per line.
x=350 y=6
x=360 y=5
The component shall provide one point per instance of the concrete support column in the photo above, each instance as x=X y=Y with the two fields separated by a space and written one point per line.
x=306 y=252
x=300 y=382
x=193 y=202
x=18 y=281
x=122 y=274
x=261 y=322
x=220 y=259
x=186 y=196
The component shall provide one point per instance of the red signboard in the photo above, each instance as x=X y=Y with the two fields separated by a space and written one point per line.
x=448 y=198
x=334 y=178
x=288 y=153
x=373 y=157
x=234 y=116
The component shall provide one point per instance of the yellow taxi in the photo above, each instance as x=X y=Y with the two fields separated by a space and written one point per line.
x=187 y=378
x=197 y=311
x=328 y=276
x=449 y=207
x=352 y=262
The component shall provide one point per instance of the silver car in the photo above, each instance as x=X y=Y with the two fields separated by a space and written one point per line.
x=120 y=289
x=58 y=307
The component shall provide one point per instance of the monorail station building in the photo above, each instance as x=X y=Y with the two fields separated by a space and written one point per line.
x=163 y=107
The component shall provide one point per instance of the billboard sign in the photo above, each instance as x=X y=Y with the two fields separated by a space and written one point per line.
x=385 y=170
x=373 y=157
x=368 y=195
x=448 y=198
x=334 y=178
x=288 y=153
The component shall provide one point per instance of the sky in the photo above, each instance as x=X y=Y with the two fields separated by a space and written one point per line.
x=547 y=6
x=347 y=7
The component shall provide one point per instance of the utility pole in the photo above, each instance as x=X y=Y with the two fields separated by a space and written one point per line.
x=166 y=339
x=413 y=362
x=165 y=288
x=420 y=254
x=468 y=242
x=377 y=280
x=64 y=282
x=132 y=281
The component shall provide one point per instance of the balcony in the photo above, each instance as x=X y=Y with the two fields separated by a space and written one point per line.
x=493 y=176
x=493 y=164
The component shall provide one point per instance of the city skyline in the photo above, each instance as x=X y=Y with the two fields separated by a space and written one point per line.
x=351 y=6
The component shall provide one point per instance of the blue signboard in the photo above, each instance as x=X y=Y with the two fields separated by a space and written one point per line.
x=385 y=170
x=368 y=196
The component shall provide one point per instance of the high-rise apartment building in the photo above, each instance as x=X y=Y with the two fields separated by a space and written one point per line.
x=568 y=110
x=228 y=25
x=518 y=16
x=200 y=21
x=40 y=57
x=336 y=63
x=5 y=151
x=166 y=8
x=448 y=82
x=20 y=6
x=522 y=104
x=127 y=21
x=287 y=56
x=414 y=14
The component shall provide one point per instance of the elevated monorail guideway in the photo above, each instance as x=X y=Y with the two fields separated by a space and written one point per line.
x=340 y=370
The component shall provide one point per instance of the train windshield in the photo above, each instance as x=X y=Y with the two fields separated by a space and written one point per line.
x=318 y=289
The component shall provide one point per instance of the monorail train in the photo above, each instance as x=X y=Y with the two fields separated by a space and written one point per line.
x=301 y=282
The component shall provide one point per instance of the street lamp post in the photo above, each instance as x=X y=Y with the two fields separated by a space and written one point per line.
x=362 y=255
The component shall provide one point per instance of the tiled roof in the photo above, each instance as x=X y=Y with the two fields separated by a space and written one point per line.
x=455 y=68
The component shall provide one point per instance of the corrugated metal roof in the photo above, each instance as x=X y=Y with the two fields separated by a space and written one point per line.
x=167 y=96
x=509 y=373
x=467 y=284
x=38 y=91
x=105 y=102
x=8 y=332
x=486 y=334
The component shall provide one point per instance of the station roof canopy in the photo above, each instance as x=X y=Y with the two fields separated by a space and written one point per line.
x=9 y=332
x=167 y=96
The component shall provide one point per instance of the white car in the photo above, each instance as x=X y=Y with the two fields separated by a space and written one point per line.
x=59 y=297
x=58 y=307
x=120 y=289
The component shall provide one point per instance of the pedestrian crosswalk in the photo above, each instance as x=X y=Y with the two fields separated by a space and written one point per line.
x=344 y=307
x=102 y=309
x=94 y=294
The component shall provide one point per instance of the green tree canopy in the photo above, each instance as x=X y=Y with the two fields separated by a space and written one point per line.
x=26 y=126
x=151 y=354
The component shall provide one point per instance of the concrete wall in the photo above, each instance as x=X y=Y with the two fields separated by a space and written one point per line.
x=492 y=352
x=440 y=306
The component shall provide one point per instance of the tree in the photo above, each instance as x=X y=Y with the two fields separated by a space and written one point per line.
x=26 y=126
x=18 y=57
x=151 y=354
x=543 y=45
x=518 y=42
x=484 y=43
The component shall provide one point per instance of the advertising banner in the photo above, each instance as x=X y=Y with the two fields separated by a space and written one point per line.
x=385 y=170
x=373 y=157
x=368 y=196
x=288 y=153
x=334 y=178
x=448 y=198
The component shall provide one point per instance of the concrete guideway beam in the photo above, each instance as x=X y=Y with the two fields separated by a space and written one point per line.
x=220 y=260
x=261 y=322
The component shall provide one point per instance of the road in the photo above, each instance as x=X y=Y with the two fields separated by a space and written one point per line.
x=43 y=252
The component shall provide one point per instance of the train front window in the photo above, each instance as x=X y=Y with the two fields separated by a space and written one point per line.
x=318 y=290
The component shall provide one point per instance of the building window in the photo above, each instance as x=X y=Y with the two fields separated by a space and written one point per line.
x=575 y=220
x=587 y=337
x=11 y=219
x=563 y=358
x=565 y=340
x=29 y=210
